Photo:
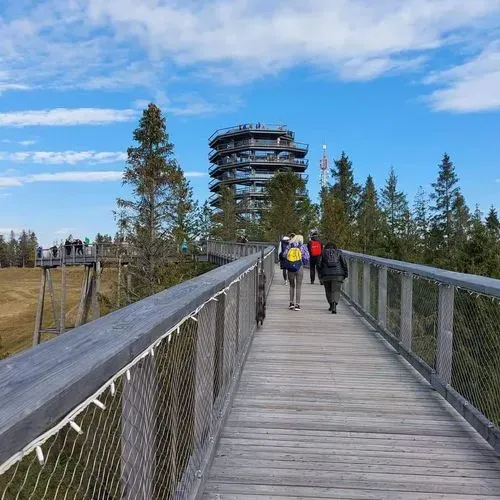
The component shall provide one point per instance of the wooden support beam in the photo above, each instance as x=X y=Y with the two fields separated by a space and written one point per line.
x=62 y=316
x=52 y=299
x=39 y=308
x=406 y=310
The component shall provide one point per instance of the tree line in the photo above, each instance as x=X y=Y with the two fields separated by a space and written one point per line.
x=18 y=251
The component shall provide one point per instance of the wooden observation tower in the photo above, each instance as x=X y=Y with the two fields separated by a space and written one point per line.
x=90 y=257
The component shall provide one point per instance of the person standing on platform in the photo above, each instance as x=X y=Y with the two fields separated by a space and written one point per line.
x=296 y=256
x=315 y=248
x=332 y=271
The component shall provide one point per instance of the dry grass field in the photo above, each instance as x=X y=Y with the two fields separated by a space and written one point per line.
x=18 y=300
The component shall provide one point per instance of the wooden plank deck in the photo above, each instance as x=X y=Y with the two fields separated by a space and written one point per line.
x=325 y=409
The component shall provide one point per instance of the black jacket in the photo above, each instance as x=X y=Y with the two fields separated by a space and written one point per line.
x=339 y=269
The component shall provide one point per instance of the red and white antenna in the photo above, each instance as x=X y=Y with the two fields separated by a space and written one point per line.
x=323 y=165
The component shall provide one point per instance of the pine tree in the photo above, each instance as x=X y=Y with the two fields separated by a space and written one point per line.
x=205 y=221
x=284 y=194
x=186 y=209
x=493 y=224
x=23 y=246
x=4 y=252
x=335 y=227
x=369 y=219
x=226 y=220
x=344 y=187
x=149 y=218
x=309 y=215
x=493 y=244
x=421 y=221
x=460 y=220
x=444 y=196
x=103 y=239
x=476 y=246
x=394 y=207
x=12 y=249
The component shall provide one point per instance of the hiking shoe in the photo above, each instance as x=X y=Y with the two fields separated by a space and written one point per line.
x=291 y=307
x=297 y=307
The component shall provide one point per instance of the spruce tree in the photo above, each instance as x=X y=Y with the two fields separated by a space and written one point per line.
x=493 y=244
x=460 y=219
x=476 y=246
x=4 y=252
x=149 y=218
x=205 y=221
x=284 y=194
x=444 y=196
x=12 y=249
x=345 y=188
x=394 y=207
x=226 y=219
x=493 y=224
x=335 y=227
x=369 y=219
x=421 y=226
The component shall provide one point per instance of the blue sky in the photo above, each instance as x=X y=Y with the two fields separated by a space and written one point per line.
x=390 y=82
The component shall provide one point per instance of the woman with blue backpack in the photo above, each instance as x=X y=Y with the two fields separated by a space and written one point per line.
x=295 y=257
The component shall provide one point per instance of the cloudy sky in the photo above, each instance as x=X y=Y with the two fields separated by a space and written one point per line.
x=390 y=82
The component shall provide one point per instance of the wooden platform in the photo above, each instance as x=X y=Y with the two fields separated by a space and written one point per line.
x=325 y=409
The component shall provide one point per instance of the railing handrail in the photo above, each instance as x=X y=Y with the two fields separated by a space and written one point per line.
x=41 y=385
x=262 y=143
x=472 y=282
x=250 y=127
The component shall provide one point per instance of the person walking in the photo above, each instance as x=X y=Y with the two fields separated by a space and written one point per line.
x=332 y=271
x=285 y=241
x=315 y=248
x=296 y=256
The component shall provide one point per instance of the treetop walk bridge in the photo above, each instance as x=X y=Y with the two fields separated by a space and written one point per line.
x=180 y=396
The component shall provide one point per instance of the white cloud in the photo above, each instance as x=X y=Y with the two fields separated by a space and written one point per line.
x=472 y=86
x=75 y=176
x=65 y=231
x=65 y=117
x=65 y=157
x=27 y=143
x=195 y=174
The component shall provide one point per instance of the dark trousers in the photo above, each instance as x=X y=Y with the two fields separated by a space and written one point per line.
x=332 y=289
x=285 y=274
x=312 y=271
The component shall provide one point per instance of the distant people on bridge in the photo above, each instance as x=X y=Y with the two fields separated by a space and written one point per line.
x=284 y=242
x=332 y=271
x=296 y=256
x=184 y=247
x=315 y=248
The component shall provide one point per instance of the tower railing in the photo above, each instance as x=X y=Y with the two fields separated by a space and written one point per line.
x=130 y=406
x=446 y=324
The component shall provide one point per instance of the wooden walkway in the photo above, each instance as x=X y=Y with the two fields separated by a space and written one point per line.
x=325 y=409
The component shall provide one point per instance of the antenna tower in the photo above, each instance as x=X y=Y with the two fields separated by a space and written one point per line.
x=323 y=165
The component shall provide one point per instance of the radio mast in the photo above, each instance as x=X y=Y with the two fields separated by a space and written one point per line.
x=323 y=165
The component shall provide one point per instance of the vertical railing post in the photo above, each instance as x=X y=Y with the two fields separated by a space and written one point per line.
x=382 y=297
x=204 y=381
x=444 y=361
x=406 y=309
x=354 y=280
x=138 y=431
x=366 y=287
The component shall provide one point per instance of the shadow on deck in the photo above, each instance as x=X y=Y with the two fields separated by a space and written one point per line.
x=327 y=409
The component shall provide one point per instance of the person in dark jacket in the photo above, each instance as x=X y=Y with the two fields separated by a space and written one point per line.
x=332 y=271
x=315 y=248
x=285 y=241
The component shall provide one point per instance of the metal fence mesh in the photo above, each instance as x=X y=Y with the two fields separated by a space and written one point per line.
x=424 y=321
x=476 y=351
x=394 y=303
x=146 y=433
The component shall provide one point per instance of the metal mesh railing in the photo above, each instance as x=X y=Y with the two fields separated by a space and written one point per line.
x=448 y=323
x=147 y=432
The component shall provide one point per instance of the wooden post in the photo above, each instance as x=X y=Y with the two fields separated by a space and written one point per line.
x=118 y=291
x=62 y=315
x=83 y=297
x=39 y=309
x=96 y=289
x=138 y=431
x=446 y=304
x=355 y=281
x=129 y=286
x=52 y=299
x=406 y=309
x=382 y=296
x=366 y=287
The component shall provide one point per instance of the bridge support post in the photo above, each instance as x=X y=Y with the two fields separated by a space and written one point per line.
x=382 y=297
x=354 y=281
x=406 y=309
x=366 y=287
x=39 y=309
x=444 y=358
